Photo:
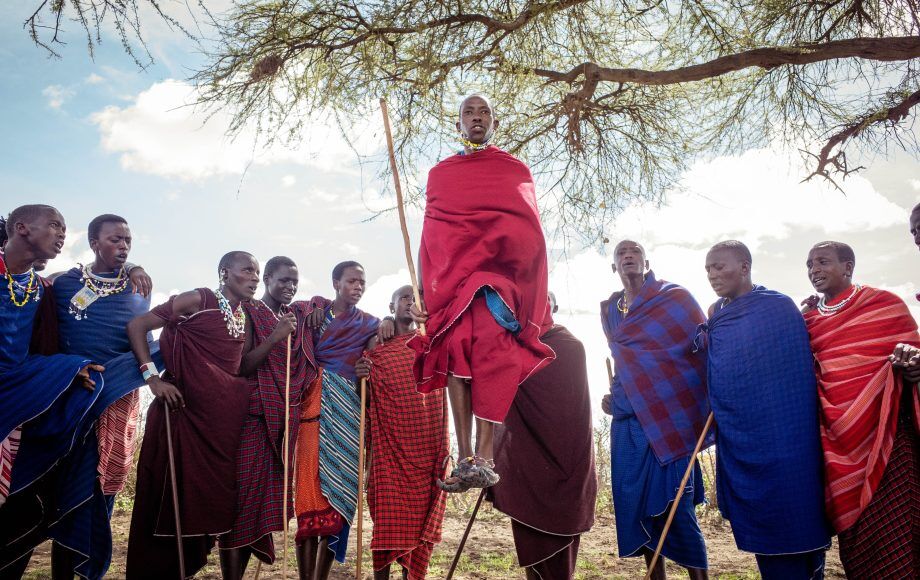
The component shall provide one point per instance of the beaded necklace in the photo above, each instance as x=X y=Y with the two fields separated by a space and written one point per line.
x=825 y=310
x=621 y=304
x=104 y=286
x=473 y=146
x=30 y=289
x=235 y=319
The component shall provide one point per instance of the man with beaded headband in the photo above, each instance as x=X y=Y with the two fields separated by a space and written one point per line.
x=59 y=387
x=202 y=344
x=870 y=416
x=483 y=272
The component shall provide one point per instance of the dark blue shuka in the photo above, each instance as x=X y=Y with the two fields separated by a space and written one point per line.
x=77 y=513
x=763 y=393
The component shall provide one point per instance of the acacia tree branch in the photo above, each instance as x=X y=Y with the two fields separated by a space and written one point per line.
x=879 y=49
x=838 y=161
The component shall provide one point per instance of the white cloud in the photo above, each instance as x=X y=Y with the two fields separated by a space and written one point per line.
x=376 y=299
x=288 y=181
x=316 y=195
x=163 y=133
x=915 y=183
x=57 y=95
x=94 y=79
x=754 y=197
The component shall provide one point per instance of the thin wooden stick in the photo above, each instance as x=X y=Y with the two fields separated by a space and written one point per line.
x=469 y=526
x=175 y=492
x=609 y=372
x=284 y=459
x=258 y=569
x=402 y=211
x=680 y=492
x=360 y=506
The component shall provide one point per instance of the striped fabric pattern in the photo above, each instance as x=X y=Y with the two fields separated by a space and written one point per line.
x=860 y=395
x=117 y=433
x=8 y=449
x=338 y=443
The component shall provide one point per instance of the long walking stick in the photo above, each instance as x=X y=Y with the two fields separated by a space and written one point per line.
x=360 y=506
x=285 y=458
x=680 y=492
x=401 y=209
x=175 y=492
x=466 y=534
x=609 y=372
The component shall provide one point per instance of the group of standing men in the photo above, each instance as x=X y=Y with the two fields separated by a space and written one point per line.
x=220 y=436
x=816 y=415
x=212 y=462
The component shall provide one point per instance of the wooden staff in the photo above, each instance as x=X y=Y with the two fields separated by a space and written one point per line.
x=360 y=506
x=680 y=492
x=175 y=492
x=469 y=526
x=401 y=209
x=609 y=372
x=285 y=459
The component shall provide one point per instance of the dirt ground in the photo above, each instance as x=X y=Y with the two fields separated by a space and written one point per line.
x=489 y=553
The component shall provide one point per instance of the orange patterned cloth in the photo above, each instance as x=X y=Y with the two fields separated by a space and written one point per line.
x=315 y=515
x=117 y=433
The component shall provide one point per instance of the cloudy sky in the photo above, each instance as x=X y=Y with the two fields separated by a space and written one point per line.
x=100 y=136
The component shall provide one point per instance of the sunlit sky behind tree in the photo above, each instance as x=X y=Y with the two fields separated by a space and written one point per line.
x=100 y=136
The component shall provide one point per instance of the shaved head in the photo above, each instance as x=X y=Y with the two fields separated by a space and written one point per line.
x=735 y=247
x=474 y=96
x=27 y=214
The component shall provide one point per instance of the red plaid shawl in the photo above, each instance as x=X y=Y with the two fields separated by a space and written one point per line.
x=409 y=444
x=260 y=471
x=860 y=393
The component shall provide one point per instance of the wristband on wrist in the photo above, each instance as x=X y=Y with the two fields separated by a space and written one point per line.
x=149 y=370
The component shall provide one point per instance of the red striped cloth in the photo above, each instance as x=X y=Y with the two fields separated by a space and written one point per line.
x=408 y=446
x=8 y=449
x=860 y=394
x=117 y=433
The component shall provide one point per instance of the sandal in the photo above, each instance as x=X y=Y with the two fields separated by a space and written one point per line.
x=470 y=472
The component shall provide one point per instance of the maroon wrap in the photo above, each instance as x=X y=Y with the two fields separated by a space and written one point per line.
x=202 y=360
x=259 y=466
x=45 y=331
x=482 y=228
x=545 y=454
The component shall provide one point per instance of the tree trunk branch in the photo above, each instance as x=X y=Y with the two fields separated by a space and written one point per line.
x=881 y=49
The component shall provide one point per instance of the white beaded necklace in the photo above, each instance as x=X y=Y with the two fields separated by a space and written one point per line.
x=235 y=319
x=825 y=310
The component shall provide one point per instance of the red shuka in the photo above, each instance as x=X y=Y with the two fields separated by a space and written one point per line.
x=482 y=228
x=860 y=392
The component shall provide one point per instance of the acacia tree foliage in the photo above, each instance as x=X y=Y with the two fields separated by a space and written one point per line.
x=607 y=100
x=47 y=23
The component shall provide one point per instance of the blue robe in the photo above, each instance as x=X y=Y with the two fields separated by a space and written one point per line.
x=76 y=513
x=38 y=391
x=763 y=393
x=643 y=488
